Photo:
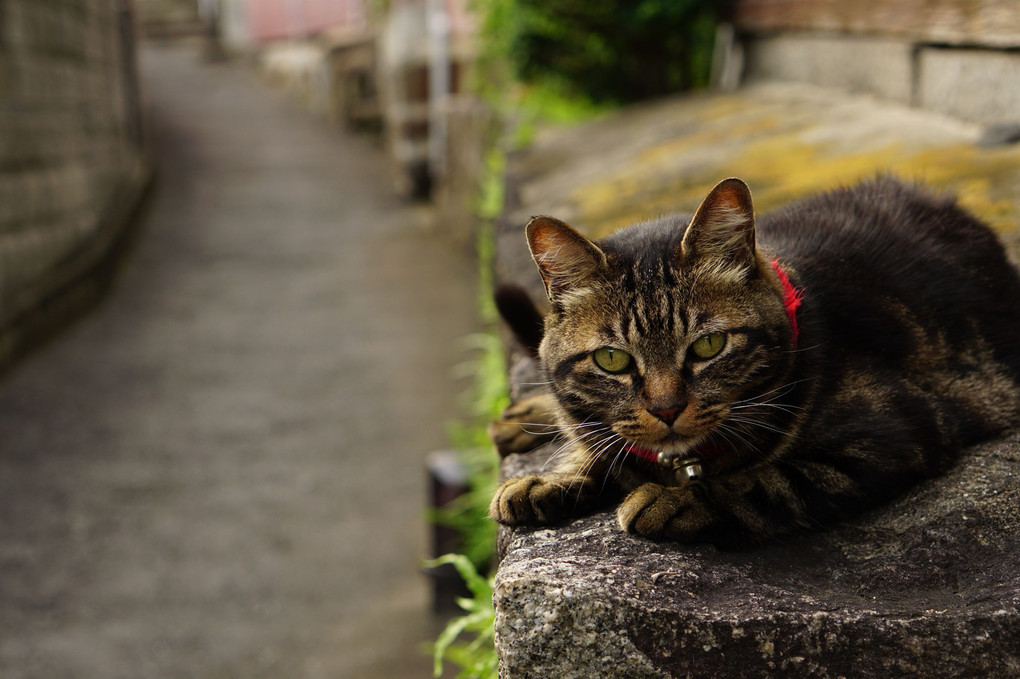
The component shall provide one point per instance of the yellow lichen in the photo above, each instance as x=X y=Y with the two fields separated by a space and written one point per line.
x=782 y=167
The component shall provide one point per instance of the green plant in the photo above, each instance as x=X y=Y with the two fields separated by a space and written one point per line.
x=477 y=658
x=468 y=514
x=605 y=50
x=487 y=395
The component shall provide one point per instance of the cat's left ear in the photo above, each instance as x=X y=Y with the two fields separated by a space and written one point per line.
x=564 y=257
x=723 y=227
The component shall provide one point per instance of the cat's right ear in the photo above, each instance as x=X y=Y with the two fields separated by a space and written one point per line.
x=722 y=229
x=564 y=257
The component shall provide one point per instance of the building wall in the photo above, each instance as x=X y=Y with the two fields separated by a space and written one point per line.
x=958 y=57
x=994 y=23
x=277 y=19
x=71 y=143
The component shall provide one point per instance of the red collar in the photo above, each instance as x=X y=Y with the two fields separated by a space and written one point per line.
x=704 y=451
x=643 y=453
x=792 y=297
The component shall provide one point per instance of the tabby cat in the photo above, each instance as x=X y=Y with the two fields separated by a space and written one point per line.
x=728 y=381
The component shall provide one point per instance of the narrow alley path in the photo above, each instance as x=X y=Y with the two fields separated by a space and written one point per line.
x=220 y=473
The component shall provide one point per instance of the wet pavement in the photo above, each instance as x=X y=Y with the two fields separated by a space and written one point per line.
x=220 y=472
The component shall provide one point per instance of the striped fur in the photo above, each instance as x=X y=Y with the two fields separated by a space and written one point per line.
x=909 y=349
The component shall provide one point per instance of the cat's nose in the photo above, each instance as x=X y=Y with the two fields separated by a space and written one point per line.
x=669 y=415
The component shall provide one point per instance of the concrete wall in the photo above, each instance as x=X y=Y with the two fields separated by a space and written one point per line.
x=958 y=57
x=973 y=84
x=71 y=146
x=881 y=66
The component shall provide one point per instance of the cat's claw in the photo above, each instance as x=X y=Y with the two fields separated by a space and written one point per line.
x=527 y=500
x=656 y=511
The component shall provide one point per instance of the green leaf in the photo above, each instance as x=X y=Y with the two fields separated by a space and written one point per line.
x=478 y=585
x=443 y=641
x=477 y=659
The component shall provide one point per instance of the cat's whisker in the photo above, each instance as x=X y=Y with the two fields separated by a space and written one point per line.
x=573 y=443
x=564 y=449
x=602 y=445
x=585 y=470
x=590 y=433
x=723 y=433
x=537 y=433
x=561 y=427
x=765 y=404
x=610 y=438
x=619 y=457
x=593 y=456
x=789 y=409
x=725 y=427
x=801 y=349
x=788 y=387
x=555 y=428
x=753 y=411
x=760 y=425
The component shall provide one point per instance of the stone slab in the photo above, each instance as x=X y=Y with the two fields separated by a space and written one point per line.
x=926 y=586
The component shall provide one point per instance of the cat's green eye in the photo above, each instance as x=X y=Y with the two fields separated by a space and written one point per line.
x=611 y=360
x=709 y=345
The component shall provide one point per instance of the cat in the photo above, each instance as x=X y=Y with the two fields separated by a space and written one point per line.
x=730 y=380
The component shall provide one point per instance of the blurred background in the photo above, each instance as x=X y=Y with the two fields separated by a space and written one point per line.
x=247 y=248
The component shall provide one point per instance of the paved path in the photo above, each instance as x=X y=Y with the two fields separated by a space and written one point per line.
x=219 y=474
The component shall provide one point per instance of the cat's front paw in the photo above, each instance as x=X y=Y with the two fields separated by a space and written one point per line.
x=525 y=425
x=528 y=500
x=657 y=511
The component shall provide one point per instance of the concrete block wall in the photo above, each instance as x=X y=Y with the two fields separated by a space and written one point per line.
x=71 y=145
x=956 y=57
x=974 y=84
x=877 y=65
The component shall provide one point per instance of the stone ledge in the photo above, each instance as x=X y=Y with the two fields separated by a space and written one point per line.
x=925 y=586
